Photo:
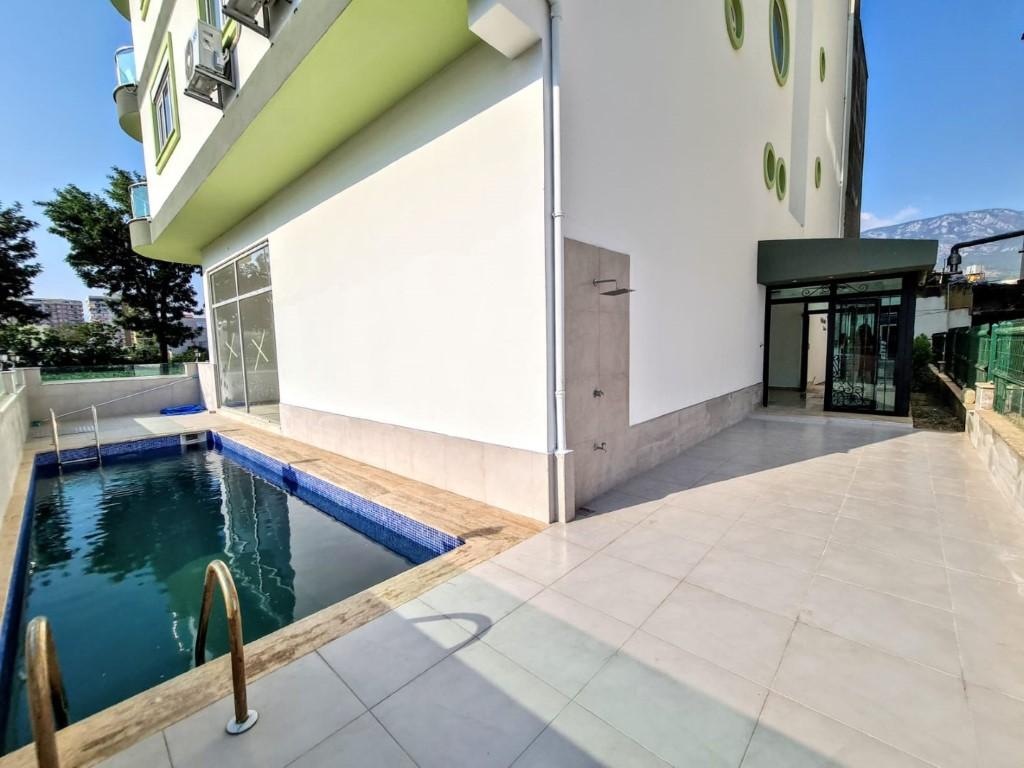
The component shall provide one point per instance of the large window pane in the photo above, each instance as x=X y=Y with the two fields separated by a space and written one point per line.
x=260 y=349
x=229 y=355
x=253 y=271
x=222 y=284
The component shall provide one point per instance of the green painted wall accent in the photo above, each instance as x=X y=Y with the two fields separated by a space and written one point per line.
x=769 y=163
x=821 y=64
x=734 y=22
x=123 y=7
x=375 y=53
x=166 y=57
x=817 y=173
x=781 y=180
x=805 y=260
x=143 y=8
x=230 y=33
x=778 y=23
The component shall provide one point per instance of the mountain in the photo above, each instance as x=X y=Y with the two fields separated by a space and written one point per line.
x=999 y=261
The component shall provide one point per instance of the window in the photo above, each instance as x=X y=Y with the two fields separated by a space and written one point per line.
x=164 y=100
x=164 y=111
x=780 y=179
x=769 y=165
x=209 y=11
x=778 y=29
x=817 y=173
x=821 y=65
x=734 y=22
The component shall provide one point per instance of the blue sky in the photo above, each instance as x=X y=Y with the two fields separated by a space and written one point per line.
x=945 y=117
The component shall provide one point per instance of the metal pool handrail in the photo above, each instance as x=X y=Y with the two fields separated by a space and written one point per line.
x=218 y=572
x=47 y=702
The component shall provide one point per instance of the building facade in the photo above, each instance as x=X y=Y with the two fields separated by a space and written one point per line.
x=59 y=311
x=505 y=247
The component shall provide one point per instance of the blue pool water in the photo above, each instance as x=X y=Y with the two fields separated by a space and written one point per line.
x=116 y=558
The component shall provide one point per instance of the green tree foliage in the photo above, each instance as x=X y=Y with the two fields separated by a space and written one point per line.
x=153 y=295
x=921 y=355
x=17 y=266
x=82 y=344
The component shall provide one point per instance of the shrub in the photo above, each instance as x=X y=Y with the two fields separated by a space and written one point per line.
x=922 y=355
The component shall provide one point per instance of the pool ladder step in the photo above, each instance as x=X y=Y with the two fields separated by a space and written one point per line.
x=48 y=703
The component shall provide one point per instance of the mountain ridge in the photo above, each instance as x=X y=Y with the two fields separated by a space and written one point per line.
x=999 y=261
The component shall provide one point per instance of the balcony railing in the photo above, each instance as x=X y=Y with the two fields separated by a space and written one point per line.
x=124 y=61
x=140 y=200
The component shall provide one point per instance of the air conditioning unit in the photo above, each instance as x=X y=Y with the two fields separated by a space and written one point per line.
x=248 y=9
x=206 y=63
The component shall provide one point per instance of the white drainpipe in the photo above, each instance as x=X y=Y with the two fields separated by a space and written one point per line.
x=556 y=265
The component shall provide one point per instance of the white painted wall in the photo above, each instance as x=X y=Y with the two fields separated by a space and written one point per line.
x=817 y=349
x=786 y=332
x=196 y=120
x=664 y=128
x=931 y=316
x=408 y=266
x=14 y=425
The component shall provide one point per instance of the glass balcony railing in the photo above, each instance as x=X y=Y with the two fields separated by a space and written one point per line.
x=140 y=200
x=124 y=60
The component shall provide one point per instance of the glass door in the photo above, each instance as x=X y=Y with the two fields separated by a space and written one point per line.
x=863 y=344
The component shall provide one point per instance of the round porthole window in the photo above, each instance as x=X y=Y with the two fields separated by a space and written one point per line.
x=770 y=163
x=734 y=22
x=780 y=179
x=817 y=173
x=778 y=29
x=821 y=64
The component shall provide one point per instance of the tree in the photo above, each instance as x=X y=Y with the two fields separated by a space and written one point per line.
x=152 y=296
x=17 y=266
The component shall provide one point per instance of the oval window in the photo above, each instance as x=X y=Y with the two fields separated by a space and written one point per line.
x=821 y=64
x=778 y=28
x=770 y=163
x=734 y=22
x=817 y=173
x=780 y=179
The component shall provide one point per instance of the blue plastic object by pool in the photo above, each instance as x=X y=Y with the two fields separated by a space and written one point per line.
x=182 y=410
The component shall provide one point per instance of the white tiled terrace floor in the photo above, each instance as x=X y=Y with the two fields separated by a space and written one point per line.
x=784 y=594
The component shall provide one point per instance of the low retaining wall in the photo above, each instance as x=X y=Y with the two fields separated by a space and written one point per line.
x=14 y=424
x=68 y=396
x=998 y=441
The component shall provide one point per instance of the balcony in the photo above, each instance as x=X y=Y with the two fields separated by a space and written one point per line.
x=138 y=225
x=126 y=97
x=122 y=7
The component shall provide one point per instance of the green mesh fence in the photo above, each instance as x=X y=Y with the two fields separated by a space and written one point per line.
x=1006 y=368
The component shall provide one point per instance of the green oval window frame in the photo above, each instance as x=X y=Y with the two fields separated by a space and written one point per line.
x=734 y=22
x=777 y=10
x=770 y=164
x=780 y=179
x=821 y=64
x=817 y=173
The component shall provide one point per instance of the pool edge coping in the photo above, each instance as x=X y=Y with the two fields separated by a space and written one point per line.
x=124 y=724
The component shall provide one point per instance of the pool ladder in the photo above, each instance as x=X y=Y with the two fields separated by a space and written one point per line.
x=217 y=572
x=48 y=704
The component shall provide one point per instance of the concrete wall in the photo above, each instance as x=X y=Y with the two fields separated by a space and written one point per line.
x=66 y=396
x=1000 y=446
x=817 y=349
x=931 y=316
x=408 y=268
x=664 y=130
x=785 y=354
x=14 y=423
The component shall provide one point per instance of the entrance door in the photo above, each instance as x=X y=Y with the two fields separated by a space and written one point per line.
x=863 y=345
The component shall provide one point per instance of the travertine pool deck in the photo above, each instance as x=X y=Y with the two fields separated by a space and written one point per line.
x=784 y=594
x=486 y=531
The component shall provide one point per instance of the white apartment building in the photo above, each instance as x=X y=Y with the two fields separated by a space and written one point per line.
x=517 y=249
x=59 y=311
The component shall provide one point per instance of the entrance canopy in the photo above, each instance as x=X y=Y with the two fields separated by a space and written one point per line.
x=784 y=262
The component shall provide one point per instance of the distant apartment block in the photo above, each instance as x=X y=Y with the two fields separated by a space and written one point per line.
x=59 y=311
x=99 y=310
x=198 y=324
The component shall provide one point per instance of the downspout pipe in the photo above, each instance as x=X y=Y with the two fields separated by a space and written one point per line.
x=556 y=265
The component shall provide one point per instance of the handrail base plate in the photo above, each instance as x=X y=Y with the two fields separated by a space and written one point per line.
x=234 y=727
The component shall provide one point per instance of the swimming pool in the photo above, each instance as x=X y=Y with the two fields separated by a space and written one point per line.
x=115 y=556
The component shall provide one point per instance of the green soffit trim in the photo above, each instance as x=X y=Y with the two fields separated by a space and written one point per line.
x=166 y=58
x=143 y=9
x=785 y=262
x=374 y=54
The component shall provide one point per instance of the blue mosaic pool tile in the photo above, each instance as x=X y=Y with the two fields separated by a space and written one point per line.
x=15 y=599
x=111 y=450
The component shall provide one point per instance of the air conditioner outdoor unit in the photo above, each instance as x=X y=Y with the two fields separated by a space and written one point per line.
x=247 y=8
x=205 y=61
